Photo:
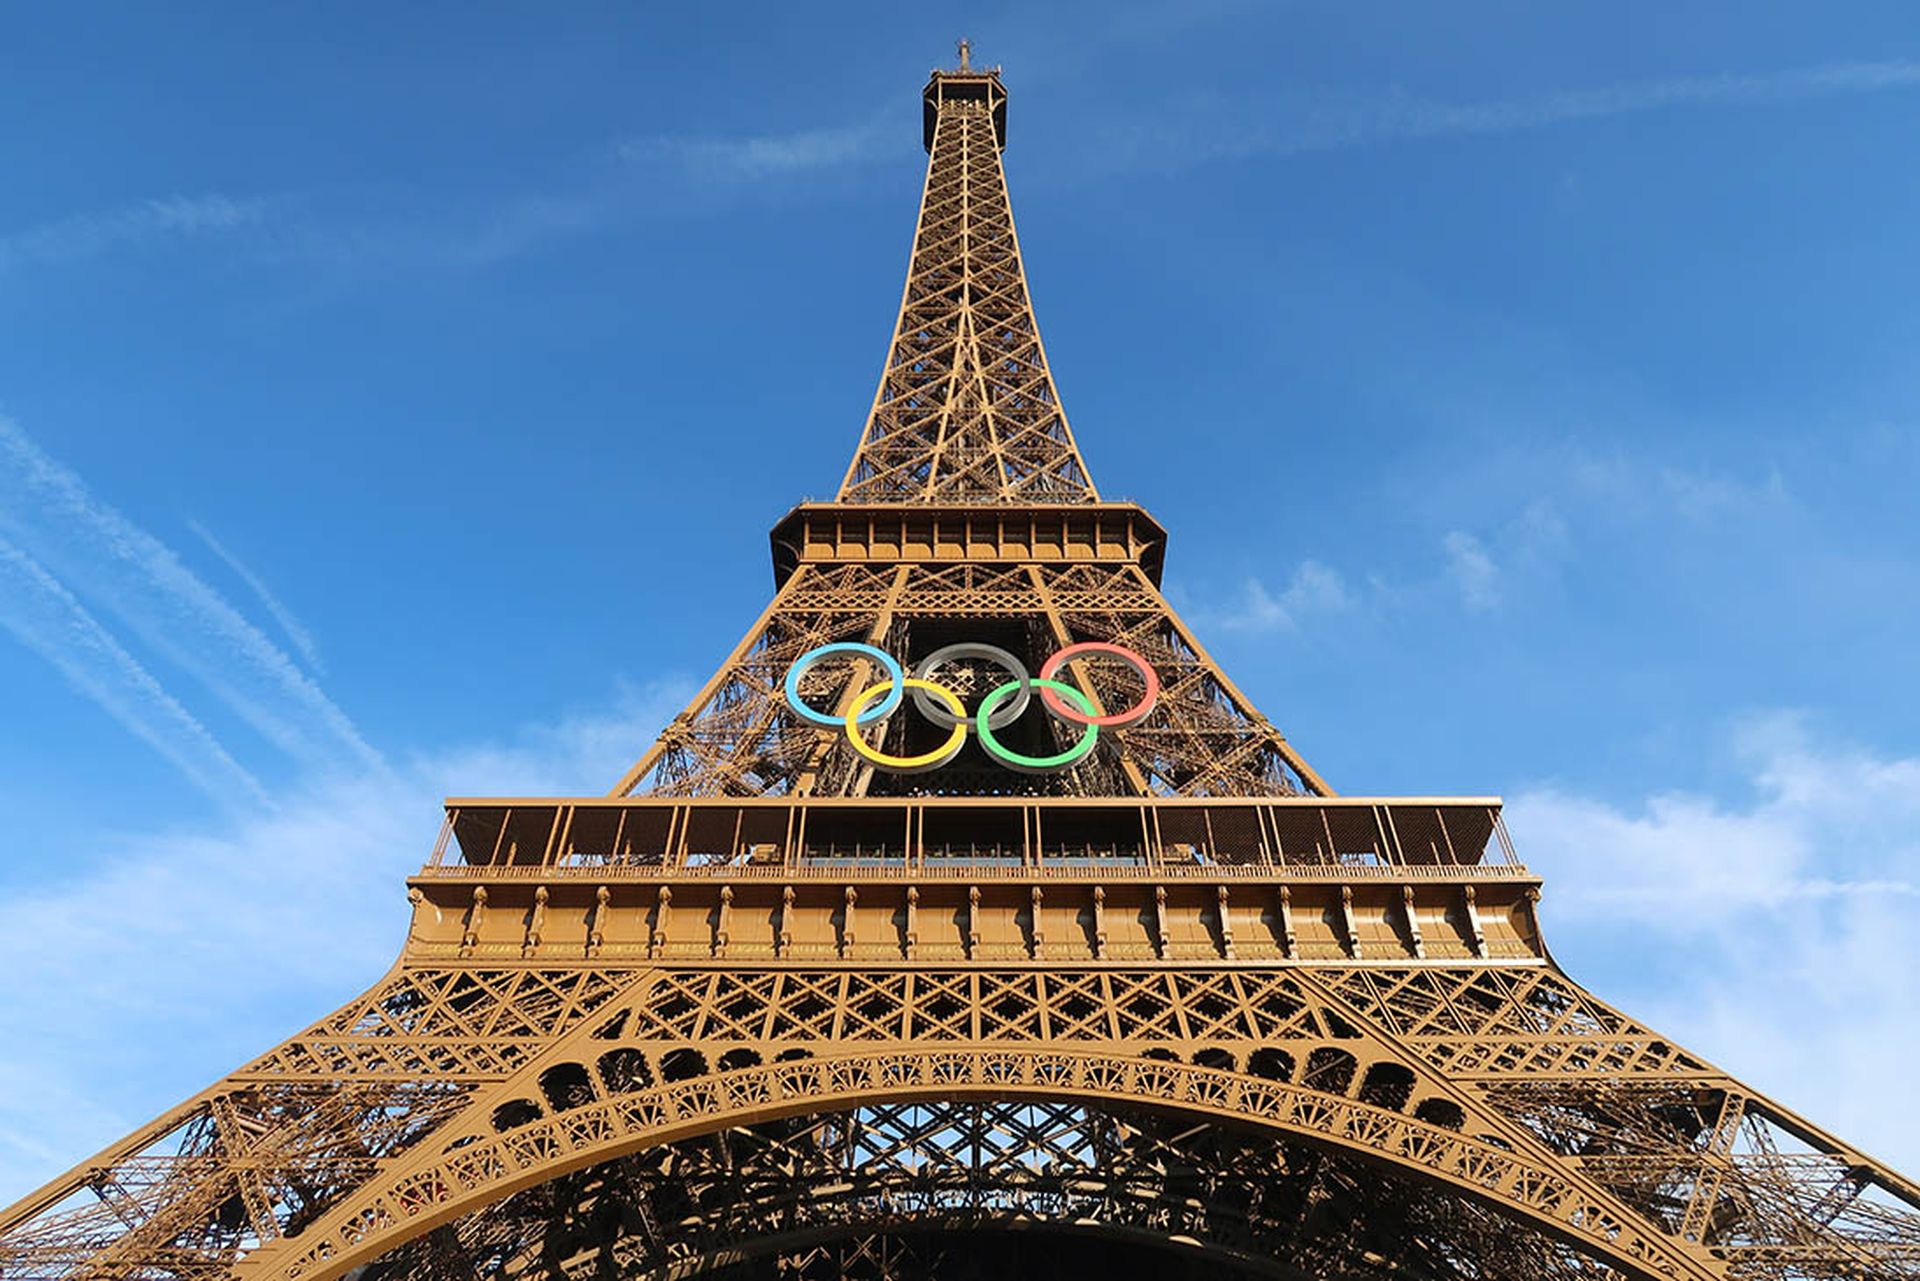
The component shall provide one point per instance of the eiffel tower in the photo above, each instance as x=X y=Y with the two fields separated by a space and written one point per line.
x=970 y=920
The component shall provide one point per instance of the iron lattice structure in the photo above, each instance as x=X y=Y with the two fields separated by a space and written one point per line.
x=769 y=1011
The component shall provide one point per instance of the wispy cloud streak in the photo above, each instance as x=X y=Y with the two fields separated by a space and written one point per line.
x=144 y=1006
x=1399 y=116
x=46 y=618
x=1414 y=119
x=87 y=235
x=294 y=629
x=770 y=155
x=106 y=558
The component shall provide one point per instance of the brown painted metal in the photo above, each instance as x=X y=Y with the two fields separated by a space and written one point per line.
x=765 y=1012
x=966 y=410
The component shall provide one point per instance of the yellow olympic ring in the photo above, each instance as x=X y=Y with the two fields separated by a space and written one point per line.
x=909 y=764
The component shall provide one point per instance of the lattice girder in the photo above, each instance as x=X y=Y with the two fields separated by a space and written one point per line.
x=617 y=1061
x=739 y=737
x=1135 y=1178
x=966 y=409
x=485 y=1166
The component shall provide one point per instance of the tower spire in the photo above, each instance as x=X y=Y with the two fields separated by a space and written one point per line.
x=966 y=410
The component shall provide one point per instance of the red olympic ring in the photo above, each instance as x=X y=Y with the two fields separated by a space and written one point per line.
x=1116 y=720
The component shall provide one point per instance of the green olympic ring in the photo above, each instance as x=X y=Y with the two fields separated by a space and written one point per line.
x=983 y=727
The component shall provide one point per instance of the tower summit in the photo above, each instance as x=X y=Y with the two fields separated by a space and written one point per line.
x=966 y=409
x=970 y=921
x=964 y=81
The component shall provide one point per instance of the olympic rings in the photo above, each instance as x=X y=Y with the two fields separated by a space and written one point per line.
x=912 y=764
x=895 y=676
x=1118 y=719
x=1002 y=706
x=991 y=653
x=983 y=724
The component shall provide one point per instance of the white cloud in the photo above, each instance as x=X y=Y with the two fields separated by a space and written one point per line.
x=1642 y=489
x=127 y=572
x=1411 y=118
x=1332 y=124
x=1313 y=589
x=1702 y=495
x=1472 y=570
x=772 y=155
x=1539 y=533
x=1516 y=558
x=44 y=616
x=183 y=953
x=511 y=227
x=176 y=955
x=87 y=235
x=468 y=234
x=1316 y=589
x=291 y=626
x=647 y=177
x=1776 y=936
x=1473 y=574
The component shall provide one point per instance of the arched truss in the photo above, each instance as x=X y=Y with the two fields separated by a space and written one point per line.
x=451 y=1088
x=925 y=1188
x=534 y=1146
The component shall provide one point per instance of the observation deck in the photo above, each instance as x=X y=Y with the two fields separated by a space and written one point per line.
x=966 y=84
x=828 y=534
x=874 y=880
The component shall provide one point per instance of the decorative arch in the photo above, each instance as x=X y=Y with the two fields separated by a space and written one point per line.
x=439 y=1183
x=984 y=1188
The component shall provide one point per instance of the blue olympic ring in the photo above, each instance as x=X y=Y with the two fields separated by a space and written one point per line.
x=896 y=678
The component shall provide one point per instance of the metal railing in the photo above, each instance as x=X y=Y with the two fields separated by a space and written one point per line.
x=1414 y=838
x=956 y=870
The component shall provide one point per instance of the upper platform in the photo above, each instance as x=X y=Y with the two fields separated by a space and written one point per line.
x=983 y=880
x=984 y=533
x=966 y=85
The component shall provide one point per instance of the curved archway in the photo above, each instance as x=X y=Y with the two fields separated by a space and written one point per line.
x=1130 y=1191
x=436 y=1186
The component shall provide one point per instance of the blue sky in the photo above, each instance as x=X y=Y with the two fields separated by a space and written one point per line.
x=395 y=403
